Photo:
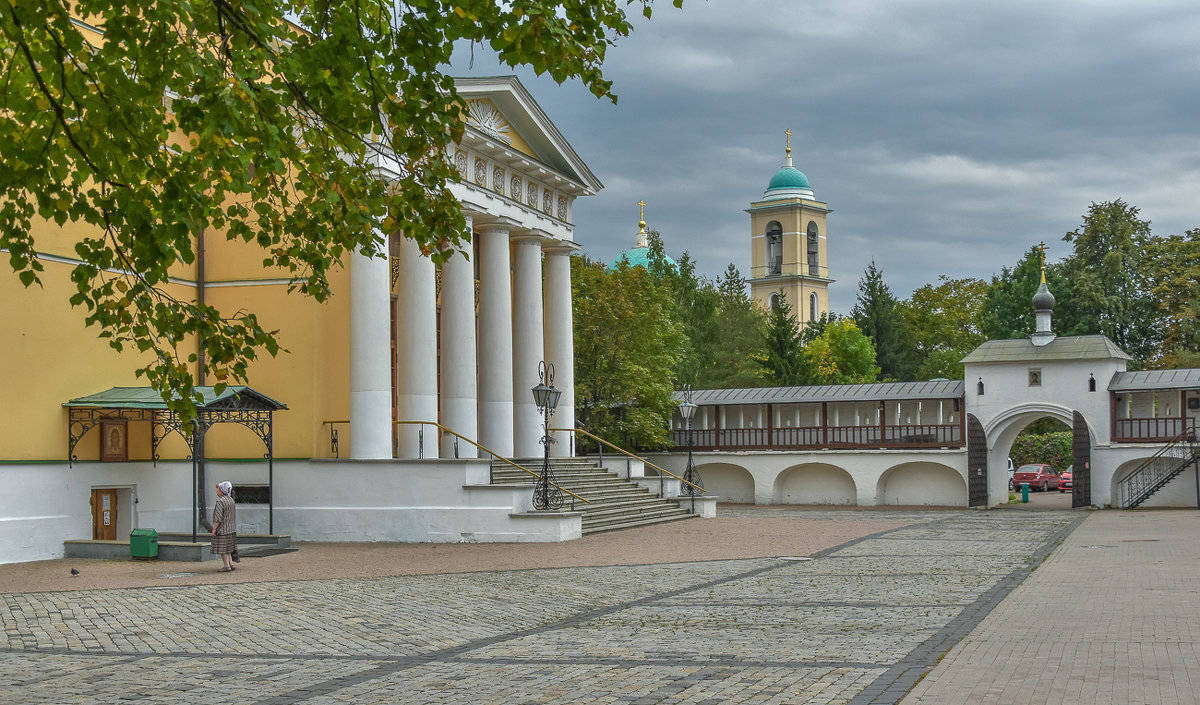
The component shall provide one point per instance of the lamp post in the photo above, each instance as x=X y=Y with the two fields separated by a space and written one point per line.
x=687 y=409
x=545 y=494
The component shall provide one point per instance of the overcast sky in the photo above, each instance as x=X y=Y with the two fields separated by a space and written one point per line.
x=947 y=137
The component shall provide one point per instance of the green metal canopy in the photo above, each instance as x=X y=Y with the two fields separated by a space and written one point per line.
x=149 y=398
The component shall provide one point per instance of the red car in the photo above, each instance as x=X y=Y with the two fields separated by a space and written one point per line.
x=1040 y=477
x=1064 y=480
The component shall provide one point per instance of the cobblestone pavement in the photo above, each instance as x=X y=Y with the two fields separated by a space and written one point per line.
x=858 y=623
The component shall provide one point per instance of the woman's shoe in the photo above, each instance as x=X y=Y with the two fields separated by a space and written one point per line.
x=224 y=570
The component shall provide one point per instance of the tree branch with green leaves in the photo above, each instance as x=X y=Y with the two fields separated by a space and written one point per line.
x=144 y=124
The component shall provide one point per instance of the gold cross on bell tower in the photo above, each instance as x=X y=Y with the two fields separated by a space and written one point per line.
x=641 y=216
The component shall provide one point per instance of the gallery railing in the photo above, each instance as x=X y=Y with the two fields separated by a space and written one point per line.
x=1140 y=430
x=896 y=436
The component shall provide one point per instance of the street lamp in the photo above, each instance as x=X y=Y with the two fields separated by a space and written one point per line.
x=545 y=494
x=687 y=409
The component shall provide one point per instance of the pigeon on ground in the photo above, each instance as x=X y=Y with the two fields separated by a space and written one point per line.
x=74 y=573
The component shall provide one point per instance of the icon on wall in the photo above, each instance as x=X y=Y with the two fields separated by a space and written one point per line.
x=114 y=446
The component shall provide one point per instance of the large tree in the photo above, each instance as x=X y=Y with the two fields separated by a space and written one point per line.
x=1007 y=308
x=944 y=323
x=147 y=123
x=1110 y=290
x=1173 y=272
x=627 y=347
x=841 y=354
x=877 y=316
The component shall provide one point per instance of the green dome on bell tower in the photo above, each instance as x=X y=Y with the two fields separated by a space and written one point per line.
x=788 y=182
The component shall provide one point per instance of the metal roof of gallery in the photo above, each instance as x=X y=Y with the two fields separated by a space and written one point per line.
x=878 y=391
x=1146 y=380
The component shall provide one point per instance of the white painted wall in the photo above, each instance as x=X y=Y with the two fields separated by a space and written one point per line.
x=922 y=484
x=319 y=500
x=815 y=483
x=765 y=477
x=730 y=482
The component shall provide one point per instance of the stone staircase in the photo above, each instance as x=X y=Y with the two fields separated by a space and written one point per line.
x=615 y=503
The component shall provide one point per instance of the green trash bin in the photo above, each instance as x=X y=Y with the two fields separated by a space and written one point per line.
x=143 y=544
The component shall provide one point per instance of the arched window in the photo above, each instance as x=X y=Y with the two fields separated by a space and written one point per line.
x=813 y=260
x=773 y=301
x=774 y=247
x=812 y=307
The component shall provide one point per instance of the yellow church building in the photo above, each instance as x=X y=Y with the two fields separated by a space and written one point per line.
x=85 y=453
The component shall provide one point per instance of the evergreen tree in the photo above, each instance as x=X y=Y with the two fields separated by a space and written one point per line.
x=877 y=317
x=738 y=339
x=783 y=364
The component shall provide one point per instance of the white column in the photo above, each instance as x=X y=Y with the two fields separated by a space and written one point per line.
x=458 y=397
x=370 y=358
x=416 y=353
x=495 y=340
x=560 y=341
x=528 y=344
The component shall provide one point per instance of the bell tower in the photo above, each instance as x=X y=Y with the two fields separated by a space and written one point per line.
x=788 y=244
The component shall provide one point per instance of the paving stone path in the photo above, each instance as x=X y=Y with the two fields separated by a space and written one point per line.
x=858 y=623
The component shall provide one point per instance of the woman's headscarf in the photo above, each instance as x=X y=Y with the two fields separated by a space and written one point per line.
x=226 y=487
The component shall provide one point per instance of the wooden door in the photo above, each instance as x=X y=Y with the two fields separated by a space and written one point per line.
x=977 y=456
x=104 y=515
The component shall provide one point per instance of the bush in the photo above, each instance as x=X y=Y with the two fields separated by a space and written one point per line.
x=1053 y=449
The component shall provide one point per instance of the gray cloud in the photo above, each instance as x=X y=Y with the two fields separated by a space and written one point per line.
x=947 y=137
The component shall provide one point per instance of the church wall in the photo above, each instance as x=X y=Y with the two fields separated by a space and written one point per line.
x=50 y=357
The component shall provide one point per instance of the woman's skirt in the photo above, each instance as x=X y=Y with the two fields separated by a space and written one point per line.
x=223 y=543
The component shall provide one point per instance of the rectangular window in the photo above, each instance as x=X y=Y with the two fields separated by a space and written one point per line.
x=251 y=494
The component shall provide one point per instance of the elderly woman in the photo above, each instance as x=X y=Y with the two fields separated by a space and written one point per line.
x=224 y=523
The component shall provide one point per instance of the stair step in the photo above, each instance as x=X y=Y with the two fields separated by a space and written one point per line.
x=614 y=502
x=635 y=524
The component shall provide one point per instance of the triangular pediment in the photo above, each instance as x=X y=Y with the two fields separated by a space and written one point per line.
x=501 y=110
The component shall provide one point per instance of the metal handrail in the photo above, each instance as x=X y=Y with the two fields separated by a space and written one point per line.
x=1135 y=488
x=492 y=453
x=627 y=453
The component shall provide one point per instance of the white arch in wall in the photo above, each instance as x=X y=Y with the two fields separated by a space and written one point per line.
x=921 y=483
x=815 y=483
x=1002 y=429
x=732 y=483
x=1181 y=491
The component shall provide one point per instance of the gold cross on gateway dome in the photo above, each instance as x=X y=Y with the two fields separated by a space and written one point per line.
x=788 y=132
x=641 y=216
x=1042 y=247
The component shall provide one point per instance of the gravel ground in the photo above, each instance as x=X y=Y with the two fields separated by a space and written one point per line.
x=740 y=533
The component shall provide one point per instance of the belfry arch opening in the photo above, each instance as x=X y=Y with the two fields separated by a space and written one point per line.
x=774 y=245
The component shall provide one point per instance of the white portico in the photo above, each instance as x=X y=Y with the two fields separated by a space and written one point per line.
x=468 y=337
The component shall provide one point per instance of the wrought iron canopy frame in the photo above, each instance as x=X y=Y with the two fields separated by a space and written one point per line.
x=246 y=407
